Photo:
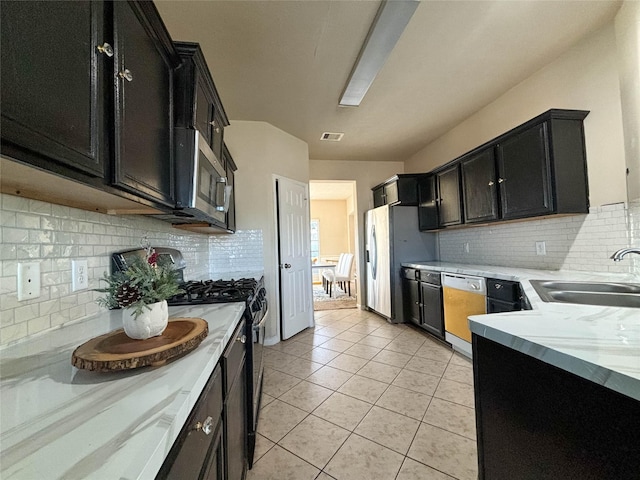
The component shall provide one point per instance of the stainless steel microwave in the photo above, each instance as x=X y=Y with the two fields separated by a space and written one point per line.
x=202 y=192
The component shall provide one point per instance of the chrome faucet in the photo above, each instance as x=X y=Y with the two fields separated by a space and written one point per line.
x=617 y=256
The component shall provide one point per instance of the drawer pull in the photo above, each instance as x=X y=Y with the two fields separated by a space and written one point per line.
x=498 y=286
x=242 y=339
x=206 y=426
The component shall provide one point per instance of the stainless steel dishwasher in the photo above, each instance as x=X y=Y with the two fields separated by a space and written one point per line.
x=463 y=296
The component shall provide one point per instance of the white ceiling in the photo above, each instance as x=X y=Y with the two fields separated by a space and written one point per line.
x=287 y=62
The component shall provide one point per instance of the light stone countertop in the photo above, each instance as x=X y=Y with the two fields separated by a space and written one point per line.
x=600 y=344
x=59 y=422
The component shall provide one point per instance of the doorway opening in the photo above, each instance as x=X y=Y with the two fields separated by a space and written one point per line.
x=334 y=229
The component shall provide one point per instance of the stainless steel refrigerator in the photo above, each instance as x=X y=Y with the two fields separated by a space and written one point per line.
x=392 y=238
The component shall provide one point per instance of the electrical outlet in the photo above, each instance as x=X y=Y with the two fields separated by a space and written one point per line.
x=79 y=275
x=28 y=281
x=541 y=248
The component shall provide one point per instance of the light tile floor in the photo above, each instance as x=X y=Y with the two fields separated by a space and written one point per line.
x=357 y=398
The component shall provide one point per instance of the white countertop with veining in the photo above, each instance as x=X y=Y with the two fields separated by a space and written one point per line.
x=58 y=422
x=601 y=344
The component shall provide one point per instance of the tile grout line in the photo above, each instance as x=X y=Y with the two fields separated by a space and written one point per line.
x=371 y=405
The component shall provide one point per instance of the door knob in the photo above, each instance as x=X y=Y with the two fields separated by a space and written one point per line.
x=126 y=74
x=106 y=49
x=204 y=427
x=287 y=265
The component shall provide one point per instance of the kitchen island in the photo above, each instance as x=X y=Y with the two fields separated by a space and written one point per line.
x=60 y=422
x=557 y=388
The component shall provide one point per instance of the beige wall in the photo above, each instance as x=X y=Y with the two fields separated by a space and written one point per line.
x=334 y=227
x=627 y=25
x=261 y=151
x=584 y=78
x=366 y=175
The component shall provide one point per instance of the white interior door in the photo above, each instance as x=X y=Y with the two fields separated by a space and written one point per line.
x=295 y=262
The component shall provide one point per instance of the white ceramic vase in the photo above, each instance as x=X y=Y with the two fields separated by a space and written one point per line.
x=150 y=323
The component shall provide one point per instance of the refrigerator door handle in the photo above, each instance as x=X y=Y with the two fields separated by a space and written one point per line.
x=374 y=253
x=367 y=259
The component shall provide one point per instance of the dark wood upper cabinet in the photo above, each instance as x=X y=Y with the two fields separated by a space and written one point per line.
x=479 y=187
x=449 y=200
x=198 y=104
x=144 y=62
x=53 y=89
x=401 y=189
x=542 y=169
x=524 y=174
x=427 y=203
x=87 y=94
x=231 y=168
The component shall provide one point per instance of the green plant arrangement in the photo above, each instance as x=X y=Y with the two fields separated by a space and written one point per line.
x=147 y=280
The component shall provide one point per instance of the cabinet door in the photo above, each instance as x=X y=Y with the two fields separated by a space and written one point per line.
x=191 y=453
x=427 y=203
x=391 y=194
x=214 y=470
x=449 y=205
x=479 y=189
x=52 y=85
x=231 y=212
x=144 y=114
x=204 y=112
x=235 y=425
x=217 y=136
x=411 y=300
x=524 y=177
x=378 y=197
x=431 y=309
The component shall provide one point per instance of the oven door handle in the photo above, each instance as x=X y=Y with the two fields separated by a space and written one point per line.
x=261 y=324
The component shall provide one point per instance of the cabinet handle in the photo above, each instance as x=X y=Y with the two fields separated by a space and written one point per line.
x=217 y=129
x=126 y=74
x=205 y=426
x=500 y=180
x=212 y=123
x=106 y=49
x=498 y=286
x=491 y=183
x=242 y=339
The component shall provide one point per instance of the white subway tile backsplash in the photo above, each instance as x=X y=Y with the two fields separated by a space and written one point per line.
x=53 y=235
x=580 y=242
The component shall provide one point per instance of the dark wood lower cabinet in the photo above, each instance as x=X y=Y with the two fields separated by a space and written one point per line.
x=539 y=422
x=235 y=405
x=214 y=469
x=212 y=445
x=235 y=425
x=195 y=453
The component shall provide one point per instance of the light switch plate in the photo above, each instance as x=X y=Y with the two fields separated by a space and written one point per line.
x=541 y=248
x=79 y=275
x=28 y=281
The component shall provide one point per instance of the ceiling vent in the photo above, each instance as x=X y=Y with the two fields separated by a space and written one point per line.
x=332 y=136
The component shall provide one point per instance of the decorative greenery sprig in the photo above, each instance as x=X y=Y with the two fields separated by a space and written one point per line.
x=147 y=280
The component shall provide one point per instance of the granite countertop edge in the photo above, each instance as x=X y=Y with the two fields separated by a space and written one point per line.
x=61 y=422
x=599 y=344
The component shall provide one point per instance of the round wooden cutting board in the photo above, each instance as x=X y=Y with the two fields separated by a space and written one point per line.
x=115 y=351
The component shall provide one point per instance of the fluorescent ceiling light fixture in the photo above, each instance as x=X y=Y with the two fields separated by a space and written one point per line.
x=391 y=20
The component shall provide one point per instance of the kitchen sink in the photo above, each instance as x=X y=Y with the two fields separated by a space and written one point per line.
x=589 y=293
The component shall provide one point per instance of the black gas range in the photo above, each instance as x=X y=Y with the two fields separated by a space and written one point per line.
x=251 y=291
